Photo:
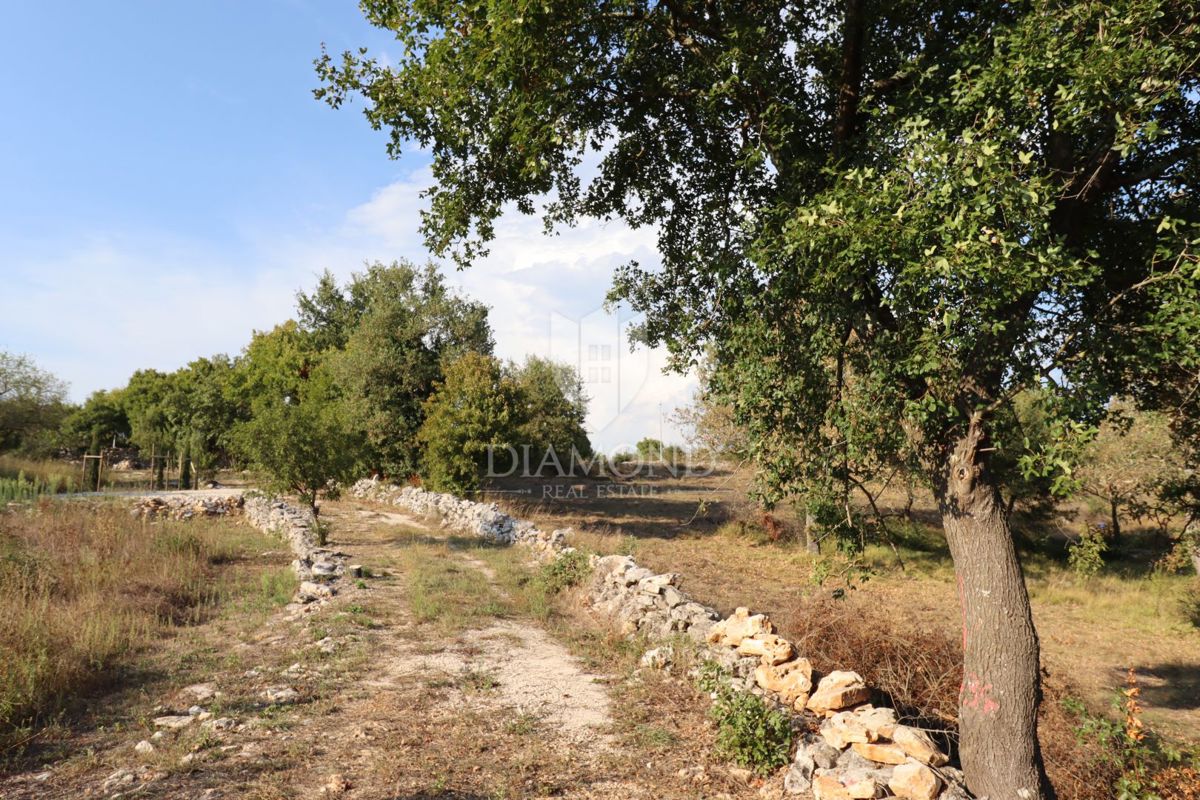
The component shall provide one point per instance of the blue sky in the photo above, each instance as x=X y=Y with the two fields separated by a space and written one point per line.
x=167 y=183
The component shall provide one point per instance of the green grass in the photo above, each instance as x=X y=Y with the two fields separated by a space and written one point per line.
x=56 y=476
x=443 y=591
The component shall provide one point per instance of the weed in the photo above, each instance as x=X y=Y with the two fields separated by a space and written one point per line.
x=748 y=732
x=1145 y=767
x=711 y=676
x=478 y=680
x=568 y=569
x=653 y=737
x=524 y=725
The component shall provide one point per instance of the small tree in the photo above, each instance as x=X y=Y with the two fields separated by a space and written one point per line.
x=649 y=449
x=32 y=401
x=1130 y=462
x=476 y=407
x=302 y=444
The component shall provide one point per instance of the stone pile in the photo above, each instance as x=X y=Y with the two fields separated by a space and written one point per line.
x=318 y=568
x=860 y=751
x=639 y=601
x=183 y=506
x=484 y=520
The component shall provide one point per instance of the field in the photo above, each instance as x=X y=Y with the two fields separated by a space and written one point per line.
x=455 y=669
x=452 y=669
x=90 y=600
x=899 y=626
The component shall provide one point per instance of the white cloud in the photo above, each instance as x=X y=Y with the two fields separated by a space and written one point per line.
x=95 y=310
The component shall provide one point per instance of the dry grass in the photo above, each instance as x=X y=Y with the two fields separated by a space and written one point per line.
x=900 y=629
x=57 y=475
x=83 y=589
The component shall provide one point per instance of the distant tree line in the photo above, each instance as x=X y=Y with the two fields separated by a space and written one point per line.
x=392 y=373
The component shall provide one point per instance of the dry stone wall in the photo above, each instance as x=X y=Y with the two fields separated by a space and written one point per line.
x=185 y=505
x=318 y=568
x=859 y=750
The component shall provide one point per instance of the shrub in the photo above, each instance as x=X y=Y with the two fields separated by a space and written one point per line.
x=1134 y=762
x=1086 y=556
x=568 y=569
x=748 y=732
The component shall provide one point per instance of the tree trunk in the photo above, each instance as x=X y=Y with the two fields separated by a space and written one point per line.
x=1000 y=692
x=811 y=544
x=1113 y=508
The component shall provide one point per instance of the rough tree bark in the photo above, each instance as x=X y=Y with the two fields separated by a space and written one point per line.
x=812 y=543
x=1001 y=690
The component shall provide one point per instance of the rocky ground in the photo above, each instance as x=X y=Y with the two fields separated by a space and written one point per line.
x=430 y=676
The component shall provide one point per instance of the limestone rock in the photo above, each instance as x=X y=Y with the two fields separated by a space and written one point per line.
x=798 y=778
x=853 y=785
x=879 y=721
x=201 y=692
x=310 y=592
x=280 y=695
x=880 y=753
x=336 y=786
x=791 y=680
x=174 y=722
x=917 y=744
x=220 y=724
x=741 y=625
x=770 y=648
x=658 y=657
x=843 y=729
x=915 y=781
x=823 y=754
x=838 y=690
x=143 y=748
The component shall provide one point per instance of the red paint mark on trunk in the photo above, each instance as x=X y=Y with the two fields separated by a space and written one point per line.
x=977 y=695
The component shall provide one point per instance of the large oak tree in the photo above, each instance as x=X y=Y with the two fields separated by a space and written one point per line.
x=898 y=213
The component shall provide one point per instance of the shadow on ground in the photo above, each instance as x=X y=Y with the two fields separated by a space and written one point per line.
x=1170 y=685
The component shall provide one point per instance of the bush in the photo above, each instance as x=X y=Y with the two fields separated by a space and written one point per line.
x=748 y=732
x=1134 y=762
x=1086 y=556
x=567 y=570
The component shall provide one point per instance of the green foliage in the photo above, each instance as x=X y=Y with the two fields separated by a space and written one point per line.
x=302 y=444
x=1132 y=464
x=473 y=412
x=20 y=489
x=1123 y=742
x=711 y=676
x=553 y=409
x=566 y=570
x=1086 y=555
x=32 y=404
x=392 y=329
x=748 y=732
x=1000 y=211
x=649 y=449
x=188 y=414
